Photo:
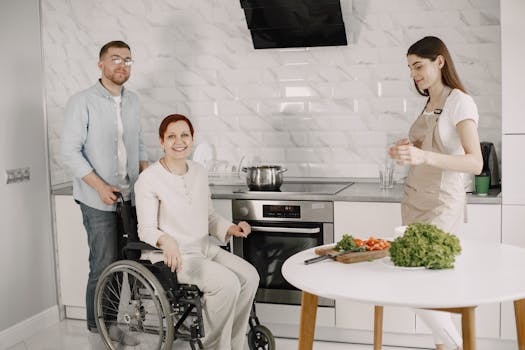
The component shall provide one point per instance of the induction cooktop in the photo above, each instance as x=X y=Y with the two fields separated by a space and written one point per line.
x=303 y=188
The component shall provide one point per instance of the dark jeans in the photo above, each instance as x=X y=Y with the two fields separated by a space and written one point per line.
x=102 y=229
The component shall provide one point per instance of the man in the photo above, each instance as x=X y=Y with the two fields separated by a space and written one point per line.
x=102 y=148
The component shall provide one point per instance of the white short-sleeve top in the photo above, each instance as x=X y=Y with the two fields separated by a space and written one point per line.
x=459 y=106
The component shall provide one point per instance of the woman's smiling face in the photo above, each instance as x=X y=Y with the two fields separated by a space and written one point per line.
x=177 y=141
x=423 y=71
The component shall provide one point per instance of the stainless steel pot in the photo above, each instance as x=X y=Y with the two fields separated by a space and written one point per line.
x=264 y=177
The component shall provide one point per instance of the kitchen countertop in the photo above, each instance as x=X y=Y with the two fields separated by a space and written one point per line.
x=363 y=190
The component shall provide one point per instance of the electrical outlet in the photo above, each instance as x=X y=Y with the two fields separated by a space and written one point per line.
x=17 y=175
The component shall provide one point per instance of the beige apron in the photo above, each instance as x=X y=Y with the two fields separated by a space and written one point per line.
x=432 y=195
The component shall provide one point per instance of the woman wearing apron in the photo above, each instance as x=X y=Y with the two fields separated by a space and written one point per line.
x=443 y=146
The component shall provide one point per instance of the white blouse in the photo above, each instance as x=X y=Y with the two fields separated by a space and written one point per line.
x=180 y=206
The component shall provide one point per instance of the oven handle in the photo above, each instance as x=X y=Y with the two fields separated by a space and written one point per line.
x=286 y=229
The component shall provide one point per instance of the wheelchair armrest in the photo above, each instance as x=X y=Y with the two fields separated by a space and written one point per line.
x=139 y=246
x=133 y=250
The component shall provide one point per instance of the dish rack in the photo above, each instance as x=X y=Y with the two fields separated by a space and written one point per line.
x=222 y=173
x=226 y=178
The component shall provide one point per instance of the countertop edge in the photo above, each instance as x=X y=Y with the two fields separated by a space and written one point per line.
x=363 y=190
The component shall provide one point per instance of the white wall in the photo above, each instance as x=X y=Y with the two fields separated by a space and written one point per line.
x=325 y=111
x=27 y=285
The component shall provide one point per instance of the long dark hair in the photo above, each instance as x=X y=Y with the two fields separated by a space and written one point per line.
x=431 y=47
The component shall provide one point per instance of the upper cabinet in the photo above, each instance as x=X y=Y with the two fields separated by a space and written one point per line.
x=512 y=67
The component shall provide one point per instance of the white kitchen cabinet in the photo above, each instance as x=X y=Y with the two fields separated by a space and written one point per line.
x=513 y=222
x=513 y=168
x=73 y=252
x=363 y=219
x=512 y=68
x=73 y=255
x=483 y=222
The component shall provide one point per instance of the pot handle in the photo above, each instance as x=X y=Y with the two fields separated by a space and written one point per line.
x=282 y=170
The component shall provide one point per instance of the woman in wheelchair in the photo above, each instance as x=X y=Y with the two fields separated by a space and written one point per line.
x=175 y=213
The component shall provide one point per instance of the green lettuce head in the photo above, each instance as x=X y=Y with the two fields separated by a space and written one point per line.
x=425 y=245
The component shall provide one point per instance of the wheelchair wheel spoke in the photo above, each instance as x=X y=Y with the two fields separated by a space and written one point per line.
x=115 y=293
x=130 y=297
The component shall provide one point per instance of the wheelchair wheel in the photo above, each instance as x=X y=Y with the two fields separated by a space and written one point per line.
x=260 y=338
x=130 y=297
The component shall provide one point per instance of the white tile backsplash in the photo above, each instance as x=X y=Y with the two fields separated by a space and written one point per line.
x=323 y=111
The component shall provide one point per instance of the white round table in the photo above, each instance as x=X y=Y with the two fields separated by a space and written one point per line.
x=483 y=273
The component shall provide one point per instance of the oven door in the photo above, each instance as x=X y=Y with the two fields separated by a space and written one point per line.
x=268 y=247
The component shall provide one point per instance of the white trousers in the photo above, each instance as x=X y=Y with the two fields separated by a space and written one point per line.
x=229 y=284
x=443 y=329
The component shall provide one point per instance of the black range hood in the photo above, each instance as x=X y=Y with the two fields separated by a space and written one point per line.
x=294 y=23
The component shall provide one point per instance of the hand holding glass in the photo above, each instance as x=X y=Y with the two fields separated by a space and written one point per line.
x=393 y=151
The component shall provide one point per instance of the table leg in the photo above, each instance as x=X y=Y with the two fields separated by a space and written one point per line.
x=378 y=327
x=307 y=325
x=468 y=327
x=519 y=312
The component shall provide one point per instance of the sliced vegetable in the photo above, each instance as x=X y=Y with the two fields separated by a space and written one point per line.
x=348 y=242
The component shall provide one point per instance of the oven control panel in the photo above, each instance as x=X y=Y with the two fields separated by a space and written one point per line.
x=266 y=210
x=281 y=211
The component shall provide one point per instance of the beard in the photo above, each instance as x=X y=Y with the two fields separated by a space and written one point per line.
x=118 y=78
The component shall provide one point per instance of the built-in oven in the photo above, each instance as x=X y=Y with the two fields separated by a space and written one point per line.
x=279 y=230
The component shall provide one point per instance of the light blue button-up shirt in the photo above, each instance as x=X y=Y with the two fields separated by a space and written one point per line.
x=89 y=141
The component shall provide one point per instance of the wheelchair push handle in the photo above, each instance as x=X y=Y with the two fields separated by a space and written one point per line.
x=120 y=197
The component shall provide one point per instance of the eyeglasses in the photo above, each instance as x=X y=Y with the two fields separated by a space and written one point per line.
x=116 y=60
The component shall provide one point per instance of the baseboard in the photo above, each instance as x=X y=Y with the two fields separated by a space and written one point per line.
x=76 y=312
x=25 y=329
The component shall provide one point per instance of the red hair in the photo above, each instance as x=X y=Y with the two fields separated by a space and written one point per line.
x=172 y=118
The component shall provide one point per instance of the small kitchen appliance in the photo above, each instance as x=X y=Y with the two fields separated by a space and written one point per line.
x=490 y=164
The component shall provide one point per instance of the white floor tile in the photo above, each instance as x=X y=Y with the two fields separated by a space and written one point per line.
x=72 y=334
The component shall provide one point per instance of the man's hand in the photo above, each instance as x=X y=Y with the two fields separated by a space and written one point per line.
x=106 y=194
x=172 y=256
x=105 y=191
x=242 y=229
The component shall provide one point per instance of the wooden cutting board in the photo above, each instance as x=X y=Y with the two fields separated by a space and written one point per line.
x=353 y=256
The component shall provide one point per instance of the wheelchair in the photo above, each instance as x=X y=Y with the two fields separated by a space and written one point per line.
x=146 y=302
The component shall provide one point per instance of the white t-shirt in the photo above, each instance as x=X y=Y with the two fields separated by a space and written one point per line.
x=458 y=107
x=180 y=206
x=124 y=184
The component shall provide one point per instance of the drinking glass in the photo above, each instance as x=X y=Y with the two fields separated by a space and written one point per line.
x=386 y=176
